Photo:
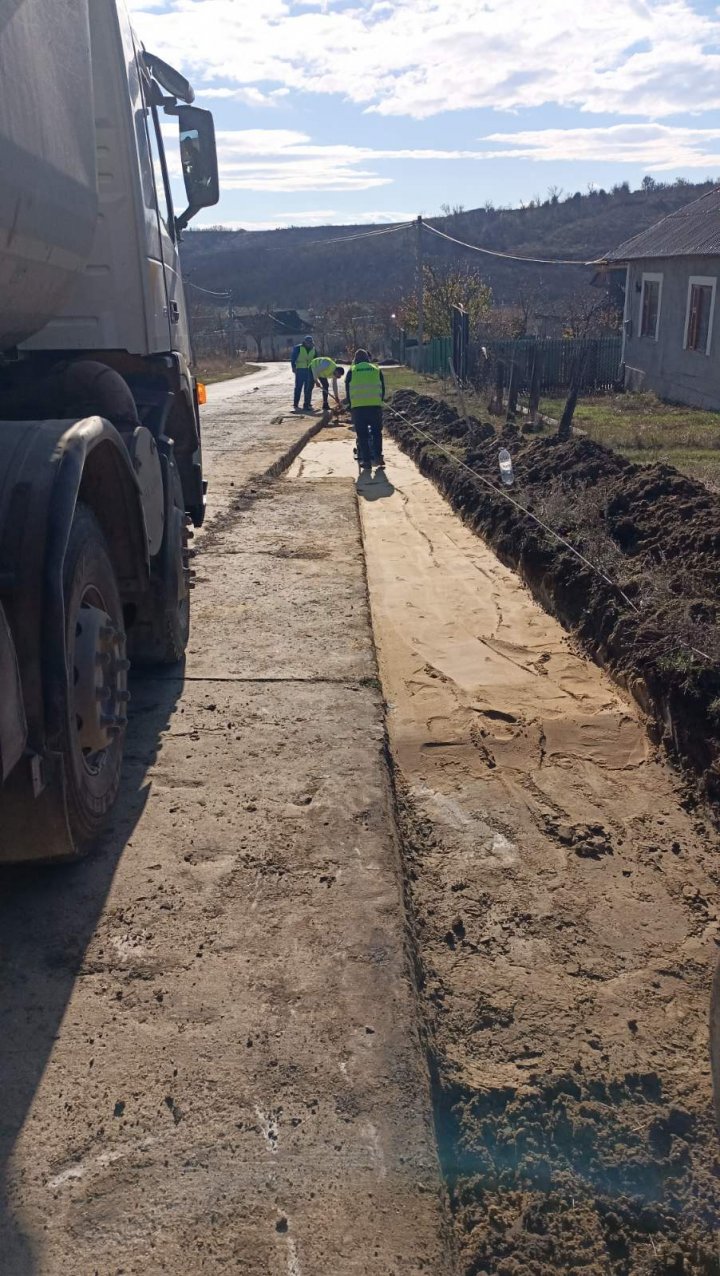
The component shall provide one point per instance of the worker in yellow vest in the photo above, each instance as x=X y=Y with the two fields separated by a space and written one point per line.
x=365 y=392
x=324 y=370
x=300 y=360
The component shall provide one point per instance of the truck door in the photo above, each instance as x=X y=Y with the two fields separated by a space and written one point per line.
x=177 y=332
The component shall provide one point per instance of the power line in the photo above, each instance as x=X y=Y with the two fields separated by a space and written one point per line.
x=491 y=252
x=337 y=239
x=391 y=230
x=369 y=234
x=209 y=292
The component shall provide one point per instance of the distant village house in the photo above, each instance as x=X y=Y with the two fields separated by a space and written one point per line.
x=272 y=332
x=671 y=336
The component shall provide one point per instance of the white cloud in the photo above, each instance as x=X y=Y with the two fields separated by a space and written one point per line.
x=420 y=57
x=655 y=147
x=299 y=176
x=288 y=160
x=316 y=217
x=249 y=96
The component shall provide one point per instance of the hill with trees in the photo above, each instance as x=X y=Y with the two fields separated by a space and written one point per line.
x=297 y=266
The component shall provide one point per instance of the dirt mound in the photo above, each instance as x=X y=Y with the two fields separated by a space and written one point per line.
x=577 y=1175
x=648 y=605
x=445 y=422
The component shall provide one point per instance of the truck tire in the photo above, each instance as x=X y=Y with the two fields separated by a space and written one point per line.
x=715 y=1041
x=95 y=692
x=176 y=611
x=164 y=639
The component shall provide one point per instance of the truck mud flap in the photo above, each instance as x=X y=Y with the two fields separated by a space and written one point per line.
x=33 y=826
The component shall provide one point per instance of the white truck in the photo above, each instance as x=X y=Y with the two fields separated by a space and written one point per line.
x=100 y=456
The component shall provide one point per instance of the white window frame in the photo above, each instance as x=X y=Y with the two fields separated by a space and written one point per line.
x=651 y=278
x=707 y=281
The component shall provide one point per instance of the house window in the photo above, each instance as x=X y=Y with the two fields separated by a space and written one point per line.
x=650 y=306
x=700 y=309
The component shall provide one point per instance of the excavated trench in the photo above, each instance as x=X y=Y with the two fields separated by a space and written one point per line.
x=650 y=610
x=562 y=898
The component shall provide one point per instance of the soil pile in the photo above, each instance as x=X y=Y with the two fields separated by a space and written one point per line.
x=647 y=607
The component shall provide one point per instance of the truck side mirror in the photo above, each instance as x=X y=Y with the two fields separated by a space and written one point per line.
x=198 y=157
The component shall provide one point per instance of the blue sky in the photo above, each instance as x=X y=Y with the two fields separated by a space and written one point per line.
x=376 y=110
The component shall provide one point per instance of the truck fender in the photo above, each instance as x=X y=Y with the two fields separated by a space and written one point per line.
x=13 y=727
x=45 y=468
x=93 y=466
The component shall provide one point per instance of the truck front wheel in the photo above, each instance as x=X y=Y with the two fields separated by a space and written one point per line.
x=161 y=636
x=96 y=692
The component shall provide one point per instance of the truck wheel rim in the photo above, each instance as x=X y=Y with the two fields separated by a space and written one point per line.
x=99 y=681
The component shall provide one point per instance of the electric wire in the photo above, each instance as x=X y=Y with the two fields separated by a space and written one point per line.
x=337 y=239
x=492 y=252
x=225 y=296
x=370 y=234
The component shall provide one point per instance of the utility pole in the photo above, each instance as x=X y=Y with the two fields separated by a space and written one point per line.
x=231 y=326
x=420 y=283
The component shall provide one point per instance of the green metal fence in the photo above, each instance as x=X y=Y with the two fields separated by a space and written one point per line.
x=433 y=357
x=559 y=357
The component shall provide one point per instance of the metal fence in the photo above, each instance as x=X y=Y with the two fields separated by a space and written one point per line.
x=434 y=357
x=597 y=358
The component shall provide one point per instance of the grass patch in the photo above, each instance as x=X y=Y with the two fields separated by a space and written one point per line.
x=644 y=429
x=401 y=378
x=212 y=370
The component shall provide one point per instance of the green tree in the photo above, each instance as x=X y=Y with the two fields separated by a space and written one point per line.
x=443 y=288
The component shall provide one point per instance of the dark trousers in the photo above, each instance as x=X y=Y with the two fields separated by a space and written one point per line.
x=325 y=387
x=368 y=427
x=304 y=382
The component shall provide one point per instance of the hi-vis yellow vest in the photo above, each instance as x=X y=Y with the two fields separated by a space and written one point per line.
x=305 y=357
x=365 y=389
x=323 y=366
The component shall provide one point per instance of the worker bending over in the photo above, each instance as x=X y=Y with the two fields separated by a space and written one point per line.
x=325 y=369
x=300 y=359
x=365 y=393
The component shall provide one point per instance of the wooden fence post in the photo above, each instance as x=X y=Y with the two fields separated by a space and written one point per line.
x=535 y=381
x=496 y=403
x=512 y=394
x=576 y=381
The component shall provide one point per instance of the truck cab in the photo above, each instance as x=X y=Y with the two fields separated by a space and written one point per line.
x=100 y=443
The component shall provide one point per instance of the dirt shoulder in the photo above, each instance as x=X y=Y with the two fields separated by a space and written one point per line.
x=210 y=1055
x=564 y=900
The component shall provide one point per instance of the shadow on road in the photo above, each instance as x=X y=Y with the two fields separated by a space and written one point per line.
x=377 y=488
x=48 y=916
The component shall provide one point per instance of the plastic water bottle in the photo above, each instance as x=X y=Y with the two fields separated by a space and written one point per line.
x=506 y=469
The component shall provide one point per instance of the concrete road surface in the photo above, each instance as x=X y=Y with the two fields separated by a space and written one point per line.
x=209 y=1050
